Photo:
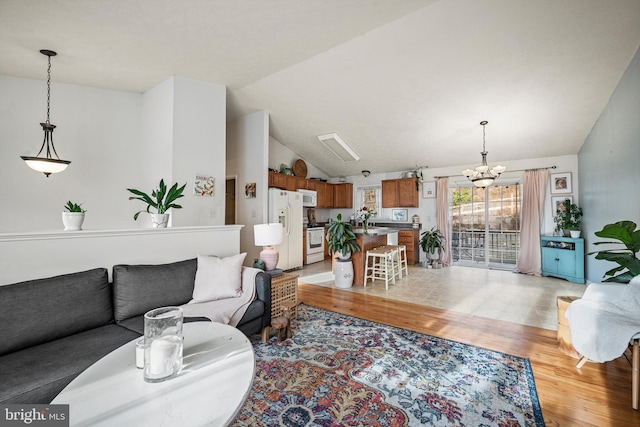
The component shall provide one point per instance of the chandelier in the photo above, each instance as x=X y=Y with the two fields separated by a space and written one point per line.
x=48 y=164
x=482 y=176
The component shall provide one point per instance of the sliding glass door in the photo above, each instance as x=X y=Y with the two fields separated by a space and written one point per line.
x=486 y=225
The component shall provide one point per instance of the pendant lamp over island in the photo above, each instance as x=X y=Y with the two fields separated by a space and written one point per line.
x=47 y=164
x=482 y=176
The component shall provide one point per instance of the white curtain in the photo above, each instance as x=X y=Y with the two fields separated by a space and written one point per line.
x=442 y=213
x=533 y=192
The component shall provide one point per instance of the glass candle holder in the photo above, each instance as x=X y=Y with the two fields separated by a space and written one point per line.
x=163 y=343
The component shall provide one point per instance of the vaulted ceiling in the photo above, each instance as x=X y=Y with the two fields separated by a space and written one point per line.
x=405 y=82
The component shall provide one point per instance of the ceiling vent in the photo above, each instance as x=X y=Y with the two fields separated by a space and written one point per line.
x=337 y=146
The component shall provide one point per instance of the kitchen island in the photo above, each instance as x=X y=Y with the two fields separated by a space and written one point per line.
x=372 y=239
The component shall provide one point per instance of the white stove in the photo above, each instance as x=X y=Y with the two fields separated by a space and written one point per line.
x=315 y=244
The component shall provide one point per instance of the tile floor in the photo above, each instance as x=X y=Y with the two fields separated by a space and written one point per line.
x=496 y=294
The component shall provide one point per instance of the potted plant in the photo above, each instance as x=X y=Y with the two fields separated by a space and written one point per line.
x=160 y=199
x=627 y=258
x=73 y=216
x=341 y=239
x=432 y=242
x=568 y=219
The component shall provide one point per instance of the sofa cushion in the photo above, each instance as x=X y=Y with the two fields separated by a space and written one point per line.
x=37 y=374
x=46 y=309
x=218 y=278
x=140 y=288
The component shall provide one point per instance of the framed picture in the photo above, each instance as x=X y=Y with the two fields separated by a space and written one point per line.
x=428 y=190
x=561 y=183
x=557 y=203
x=204 y=185
x=250 y=190
x=400 y=214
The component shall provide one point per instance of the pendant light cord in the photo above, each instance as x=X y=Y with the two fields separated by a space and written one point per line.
x=48 y=89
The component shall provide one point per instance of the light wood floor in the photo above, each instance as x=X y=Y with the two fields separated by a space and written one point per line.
x=597 y=395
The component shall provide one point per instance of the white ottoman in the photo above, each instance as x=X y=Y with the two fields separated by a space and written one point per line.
x=343 y=271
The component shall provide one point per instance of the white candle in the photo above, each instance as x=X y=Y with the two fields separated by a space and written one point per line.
x=140 y=353
x=163 y=355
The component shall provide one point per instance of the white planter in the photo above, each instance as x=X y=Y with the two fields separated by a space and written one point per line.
x=72 y=220
x=343 y=271
x=344 y=256
x=159 y=220
x=574 y=233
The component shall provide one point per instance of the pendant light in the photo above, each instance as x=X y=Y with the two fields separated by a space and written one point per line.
x=482 y=176
x=48 y=164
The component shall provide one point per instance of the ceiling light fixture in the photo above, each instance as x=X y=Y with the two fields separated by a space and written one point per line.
x=48 y=164
x=366 y=173
x=482 y=176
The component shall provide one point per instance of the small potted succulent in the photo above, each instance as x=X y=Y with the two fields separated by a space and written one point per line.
x=161 y=200
x=73 y=216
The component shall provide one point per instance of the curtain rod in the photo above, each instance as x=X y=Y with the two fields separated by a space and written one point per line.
x=517 y=170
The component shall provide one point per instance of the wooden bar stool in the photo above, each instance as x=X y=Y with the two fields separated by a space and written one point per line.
x=379 y=265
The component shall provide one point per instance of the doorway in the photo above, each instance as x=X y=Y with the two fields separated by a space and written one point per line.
x=230 y=201
x=486 y=226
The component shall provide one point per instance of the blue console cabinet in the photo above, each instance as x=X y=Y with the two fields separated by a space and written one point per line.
x=563 y=257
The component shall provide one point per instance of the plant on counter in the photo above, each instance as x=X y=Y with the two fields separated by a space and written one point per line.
x=74 y=207
x=432 y=242
x=160 y=199
x=341 y=238
x=568 y=218
x=626 y=234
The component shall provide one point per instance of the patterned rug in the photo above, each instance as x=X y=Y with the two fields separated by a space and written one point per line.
x=339 y=370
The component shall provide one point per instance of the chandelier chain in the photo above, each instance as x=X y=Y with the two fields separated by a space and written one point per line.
x=48 y=89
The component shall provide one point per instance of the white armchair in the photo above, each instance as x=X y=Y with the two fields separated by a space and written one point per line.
x=604 y=322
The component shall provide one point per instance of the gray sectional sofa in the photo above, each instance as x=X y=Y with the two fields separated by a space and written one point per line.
x=52 y=329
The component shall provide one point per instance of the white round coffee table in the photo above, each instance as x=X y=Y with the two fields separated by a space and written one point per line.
x=217 y=374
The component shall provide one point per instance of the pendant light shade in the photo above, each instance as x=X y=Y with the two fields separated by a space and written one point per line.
x=482 y=176
x=46 y=163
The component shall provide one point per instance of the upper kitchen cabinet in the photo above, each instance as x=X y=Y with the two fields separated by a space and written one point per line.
x=343 y=195
x=400 y=193
x=324 y=191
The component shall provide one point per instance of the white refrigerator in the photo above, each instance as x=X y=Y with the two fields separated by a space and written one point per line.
x=285 y=207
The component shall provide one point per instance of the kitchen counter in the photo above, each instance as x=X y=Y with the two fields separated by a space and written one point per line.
x=366 y=242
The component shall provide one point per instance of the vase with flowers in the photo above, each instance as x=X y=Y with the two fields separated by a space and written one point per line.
x=363 y=214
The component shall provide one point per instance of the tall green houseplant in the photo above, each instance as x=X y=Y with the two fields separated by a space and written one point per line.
x=624 y=233
x=341 y=238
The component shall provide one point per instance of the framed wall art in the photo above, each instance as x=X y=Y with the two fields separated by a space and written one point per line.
x=250 y=190
x=428 y=190
x=561 y=183
x=400 y=214
x=204 y=185
x=557 y=203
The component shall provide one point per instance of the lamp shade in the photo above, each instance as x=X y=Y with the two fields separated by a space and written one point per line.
x=267 y=234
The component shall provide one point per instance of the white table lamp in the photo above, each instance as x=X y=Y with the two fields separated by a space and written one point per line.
x=268 y=236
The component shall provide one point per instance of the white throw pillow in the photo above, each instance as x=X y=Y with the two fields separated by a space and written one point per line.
x=218 y=278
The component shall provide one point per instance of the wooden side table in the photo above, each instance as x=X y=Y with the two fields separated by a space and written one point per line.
x=565 y=344
x=284 y=288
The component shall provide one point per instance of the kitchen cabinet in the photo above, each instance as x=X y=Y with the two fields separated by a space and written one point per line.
x=302 y=183
x=324 y=191
x=411 y=239
x=343 y=195
x=563 y=257
x=400 y=193
x=278 y=180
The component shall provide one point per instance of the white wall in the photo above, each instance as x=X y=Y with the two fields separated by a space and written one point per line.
x=247 y=158
x=609 y=170
x=115 y=140
x=97 y=130
x=199 y=147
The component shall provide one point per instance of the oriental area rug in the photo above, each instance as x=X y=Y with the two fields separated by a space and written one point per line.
x=340 y=370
